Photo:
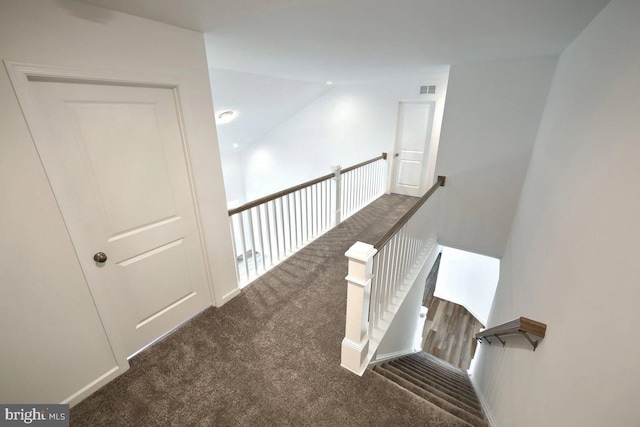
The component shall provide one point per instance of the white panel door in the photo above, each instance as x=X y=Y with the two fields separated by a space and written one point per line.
x=412 y=142
x=116 y=158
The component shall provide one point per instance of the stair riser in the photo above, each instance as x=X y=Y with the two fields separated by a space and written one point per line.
x=467 y=400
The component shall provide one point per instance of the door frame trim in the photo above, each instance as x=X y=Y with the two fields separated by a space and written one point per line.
x=19 y=74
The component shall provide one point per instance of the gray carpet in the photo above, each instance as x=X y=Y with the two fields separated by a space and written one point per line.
x=271 y=356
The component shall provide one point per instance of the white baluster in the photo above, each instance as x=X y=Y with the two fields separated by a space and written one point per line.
x=337 y=178
x=309 y=207
x=261 y=236
x=275 y=228
x=295 y=219
x=252 y=240
x=235 y=249
x=244 y=245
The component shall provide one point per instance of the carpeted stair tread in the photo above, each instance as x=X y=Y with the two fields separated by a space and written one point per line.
x=424 y=382
x=439 y=362
x=449 y=371
x=445 y=418
x=463 y=396
x=458 y=384
x=442 y=364
x=462 y=382
x=465 y=388
x=472 y=409
x=432 y=362
x=396 y=377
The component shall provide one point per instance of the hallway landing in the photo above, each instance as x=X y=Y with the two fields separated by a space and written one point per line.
x=271 y=356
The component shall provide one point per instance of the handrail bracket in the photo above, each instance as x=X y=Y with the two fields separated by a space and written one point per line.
x=533 y=343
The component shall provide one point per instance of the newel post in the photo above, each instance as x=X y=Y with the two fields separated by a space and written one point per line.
x=337 y=178
x=355 y=345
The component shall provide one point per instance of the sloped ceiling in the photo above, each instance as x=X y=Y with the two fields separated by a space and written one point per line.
x=262 y=102
x=355 y=40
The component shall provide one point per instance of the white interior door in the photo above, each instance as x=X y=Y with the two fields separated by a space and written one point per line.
x=116 y=158
x=415 y=121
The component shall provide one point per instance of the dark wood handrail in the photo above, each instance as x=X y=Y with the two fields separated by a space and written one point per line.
x=406 y=217
x=359 y=165
x=522 y=326
x=290 y=190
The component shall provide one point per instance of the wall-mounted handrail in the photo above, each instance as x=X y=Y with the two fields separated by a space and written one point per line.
x=267 y=230
x=406 y=217
x=521 y=326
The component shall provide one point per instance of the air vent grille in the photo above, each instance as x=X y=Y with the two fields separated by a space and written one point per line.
x=427 y=90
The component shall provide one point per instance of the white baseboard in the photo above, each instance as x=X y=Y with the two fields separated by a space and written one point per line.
x=226 y=298
x=388 y=356
x=483 y=402
x=102 y=380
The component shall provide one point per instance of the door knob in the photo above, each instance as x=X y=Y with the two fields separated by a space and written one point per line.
x=100 y=257
x=396 y=155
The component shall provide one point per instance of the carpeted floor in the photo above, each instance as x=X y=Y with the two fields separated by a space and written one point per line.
x=271 y=356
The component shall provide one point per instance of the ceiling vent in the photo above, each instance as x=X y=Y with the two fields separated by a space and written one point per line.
x=427 y=90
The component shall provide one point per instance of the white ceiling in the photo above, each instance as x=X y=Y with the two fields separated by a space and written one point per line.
x=356 y=40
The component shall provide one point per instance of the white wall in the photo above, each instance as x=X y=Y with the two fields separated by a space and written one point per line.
x=233 y=177
x=468 y=279
x=490 y=122
x=400 y=337
x=261 y=103
x=53 y=343
x=572 y=257
x=345 y=126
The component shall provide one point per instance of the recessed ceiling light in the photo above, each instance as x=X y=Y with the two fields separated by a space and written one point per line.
x=227 y=116
x=234 y=145
x=329 y=83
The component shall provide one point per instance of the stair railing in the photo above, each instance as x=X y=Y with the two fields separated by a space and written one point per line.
x=269 y=229
x=381 y=275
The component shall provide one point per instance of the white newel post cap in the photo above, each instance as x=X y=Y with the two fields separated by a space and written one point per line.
x=360 y=257
x=361 y=251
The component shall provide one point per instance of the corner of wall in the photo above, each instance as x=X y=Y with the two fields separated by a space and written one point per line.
x=488 y=413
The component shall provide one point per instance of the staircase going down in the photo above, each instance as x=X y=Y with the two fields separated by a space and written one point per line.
x=437 y=382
